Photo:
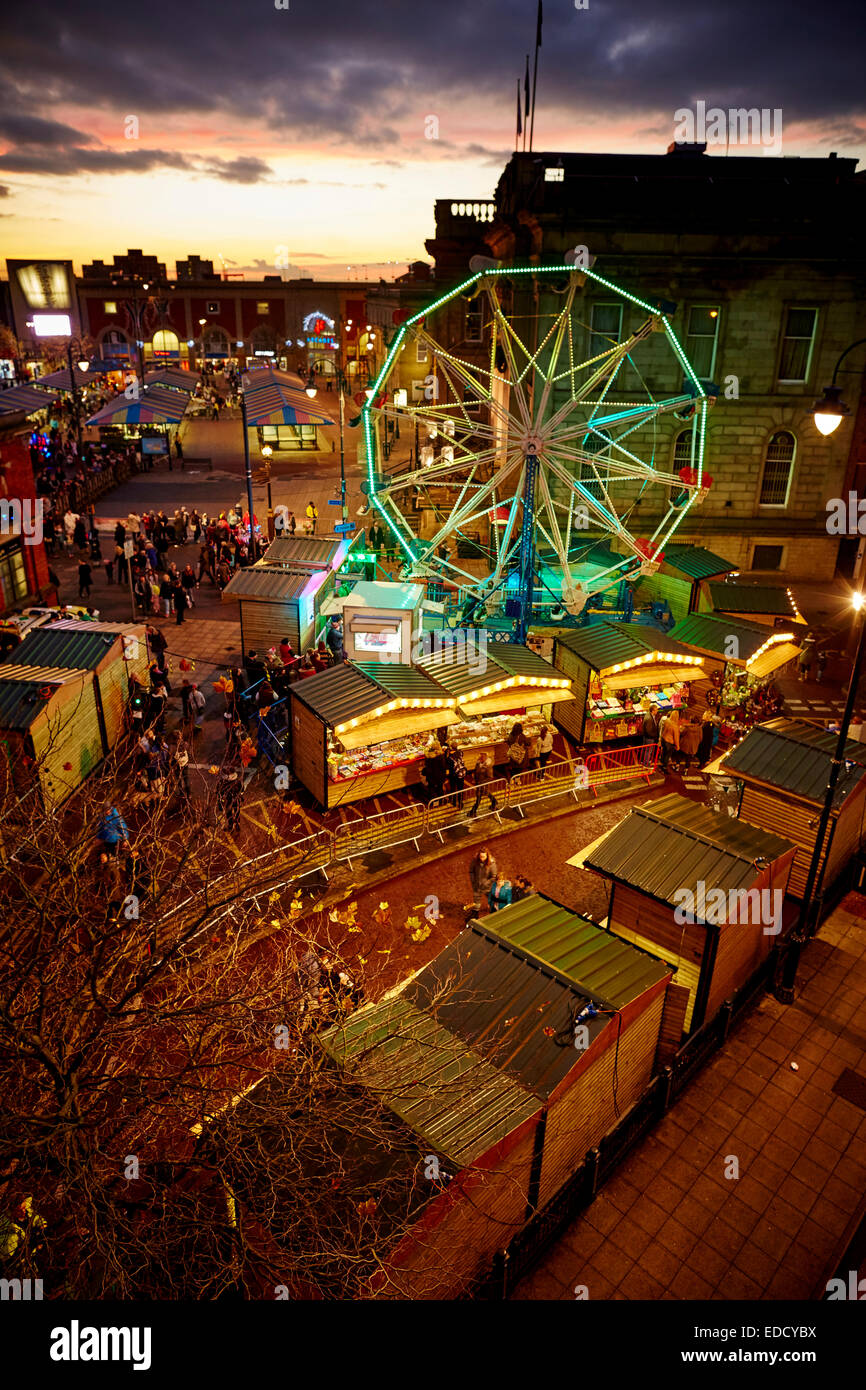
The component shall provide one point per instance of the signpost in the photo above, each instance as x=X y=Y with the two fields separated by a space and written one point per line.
x=343 y=528
x=128 y=552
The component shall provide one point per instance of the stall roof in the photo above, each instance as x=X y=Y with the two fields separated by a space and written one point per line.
x=81 y=649
x=696 y=561
x=707 y=632
x=512 y=1008
x=724 y=830
x=340 y=693
x=61 y=380
x=597 y=961
x=661 y=858
x=28 y=399
x=752 y=598
x=159 y=405
x=461 y=676
x=272 y=397
x=795 y=757
x=302 y=552
x=770 y=660
x=174 y=378
x=520 y=661
x=269 y=585
x=20 y=702
x=445 y=1091
x=402 y=682
x=605 y=645
x=366 y=594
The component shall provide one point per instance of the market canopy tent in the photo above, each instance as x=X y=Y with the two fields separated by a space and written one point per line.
x=482 y=684
x=27 y=399
x=274 y=398
x=752 y=646
x=755 y=601
x=173 y=379
x=158 y=406
x=61 y=381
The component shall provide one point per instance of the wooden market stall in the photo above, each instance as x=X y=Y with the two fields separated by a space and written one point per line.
x=758 y=603
x=783 y=767
x=749 y=653
x=678 y=581
x=477 y=1054
x=704 y=891
x=65 y=696
x=360 y=730
x=495 y=688
x=612 y=667
x=276 y=602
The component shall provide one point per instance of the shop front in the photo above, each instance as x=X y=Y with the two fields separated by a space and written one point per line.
x=743 y=656
x=621 y=671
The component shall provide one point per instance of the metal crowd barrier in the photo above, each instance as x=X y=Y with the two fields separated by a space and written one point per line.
x=617 y=764
x=455 y=808
x=397 y=827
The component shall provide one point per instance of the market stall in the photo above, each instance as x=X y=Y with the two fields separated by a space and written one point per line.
x=701 y=890
x=677 y=583
x=381 y=621
x=618 y=671
x=783 y=767
x=758 y=603
x=283 y=594
x=742 y=656
x=492 y=694
x=360 y=731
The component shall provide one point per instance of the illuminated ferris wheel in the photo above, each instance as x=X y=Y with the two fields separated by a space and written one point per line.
x=538 y=445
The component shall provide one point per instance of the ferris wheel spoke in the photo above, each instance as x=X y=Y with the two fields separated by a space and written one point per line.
x=560 y=547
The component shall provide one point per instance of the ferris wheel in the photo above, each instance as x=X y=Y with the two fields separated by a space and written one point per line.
x=537 y=449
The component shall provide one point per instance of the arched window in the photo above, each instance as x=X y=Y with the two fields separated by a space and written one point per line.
x=778 y=469
x=683 y=450
x=114 y=344
x=166 y=343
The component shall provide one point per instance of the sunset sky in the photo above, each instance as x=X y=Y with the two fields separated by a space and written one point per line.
x=259 y=128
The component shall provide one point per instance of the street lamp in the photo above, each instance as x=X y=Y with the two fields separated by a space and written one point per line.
x=829 y=412
x=201 y=324
x=83 y=365
x=267 y=452
x=311 y=389
x=248 y=469
x=807 y=923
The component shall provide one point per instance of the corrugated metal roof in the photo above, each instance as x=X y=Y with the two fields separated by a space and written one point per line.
x=80 y=649
x=26 y=398
x=462 y=677
x=696 y=561
x=20 y=703
x=608 y=644
x=517 y=1012
x=159 y=405
x=48 y=675
x=750 y=598
x=269 y=585
x=443 y=1089
x=708 y=632
x=301 y=552
x=340 y=693
x=598 y=962
x=402 y=682
x=662 y=859
x=724 y=830
x=795 y=756
x=520 y=661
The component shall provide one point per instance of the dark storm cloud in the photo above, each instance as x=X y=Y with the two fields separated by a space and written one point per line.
x=34 y=130
x=364 y=77
x=73 y=160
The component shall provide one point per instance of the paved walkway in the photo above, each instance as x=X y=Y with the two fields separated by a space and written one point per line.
x=671 y=1225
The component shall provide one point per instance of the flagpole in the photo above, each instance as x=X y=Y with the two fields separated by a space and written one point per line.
x=535 y=76
x=517 y=127
x=525 y=99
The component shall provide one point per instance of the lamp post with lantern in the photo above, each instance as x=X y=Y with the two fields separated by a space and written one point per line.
x=83 y=365
x=267 y=453
x=829 y=412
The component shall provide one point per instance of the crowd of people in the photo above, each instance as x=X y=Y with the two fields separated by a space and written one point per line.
x=445 y=772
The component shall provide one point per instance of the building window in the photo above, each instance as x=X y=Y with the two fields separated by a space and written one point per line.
x=683 y=450
x=767 y=557
x=262 y=306
x=474 y=321
x=13 y=576
x=109 y=306
x=420 y=350
x=778 y=469
x=554 y=173
x=702 y=331
x=213 y=306
x=605 y=327
x=797 y=342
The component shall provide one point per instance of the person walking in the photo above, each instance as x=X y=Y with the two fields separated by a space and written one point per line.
x=230 y=787
x=669 y=735
x=181 y=763
x=180 y=600
x=705 y=747
x=85 y=578
x=533 y=755
x=112 y=830
x=482 y=877
x=481 y=775
x=690 y=739
x=456 y=772
x=804 y=661
x=158 y=644
x=547 y=736
x=197 y=703
x=499 y=894
x=190 y=583
x=291 y=524
x=166 y=593
x=434 y=768
x=312 y=517
x=516 y=751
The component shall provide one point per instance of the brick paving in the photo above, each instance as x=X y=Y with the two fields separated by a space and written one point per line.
x=671 y=1225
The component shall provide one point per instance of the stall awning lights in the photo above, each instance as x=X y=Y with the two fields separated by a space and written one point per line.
x=770 y=642
x=656 y=658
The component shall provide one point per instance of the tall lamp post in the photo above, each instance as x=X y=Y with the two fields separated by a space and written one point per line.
x=267 y=451
x=249 y=473
x=83 y=365
x=807 y=924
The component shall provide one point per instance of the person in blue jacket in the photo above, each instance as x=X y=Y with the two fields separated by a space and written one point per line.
x=113 y=830
x=500 y=893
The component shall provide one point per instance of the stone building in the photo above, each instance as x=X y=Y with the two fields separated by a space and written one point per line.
x=764 y=260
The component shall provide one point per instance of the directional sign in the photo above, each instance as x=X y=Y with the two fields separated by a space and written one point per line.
x=343 y=528
x=335 y=501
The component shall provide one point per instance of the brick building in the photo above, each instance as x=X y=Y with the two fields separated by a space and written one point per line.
x=764 y=259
